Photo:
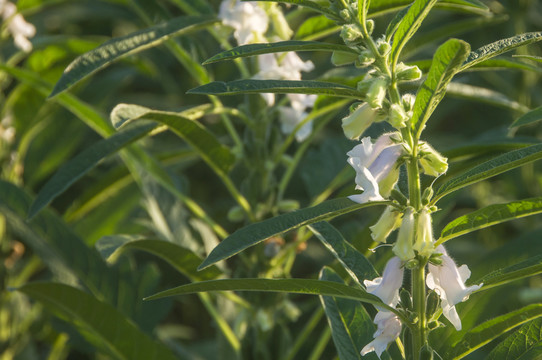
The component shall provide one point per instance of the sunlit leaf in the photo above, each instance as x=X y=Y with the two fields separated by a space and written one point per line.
x=104 y=326
x=315 y=28
x=524 y=344
x=484 y=95
x=530 y=267
x=489 y=216
x=258 y=232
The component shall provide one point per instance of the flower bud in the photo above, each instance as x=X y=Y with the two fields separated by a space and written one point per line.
x=351 y=35
x=408 y=101
x=406 y=299
x=403 y=245
x=399 y=197
x=355 y=124
x=383 y=46
x=423 y=243
x=388 y=221
x=280 y=25
x=339 y=58
x=427 y=195
x=408 y=73
x=370 y=25
x=433 y=163
x=432 y=303
x=345 y=15
x=365 y=59
x=398 y=117
x=377 y=92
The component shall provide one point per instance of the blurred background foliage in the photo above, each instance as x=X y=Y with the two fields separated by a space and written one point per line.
x=74 y=241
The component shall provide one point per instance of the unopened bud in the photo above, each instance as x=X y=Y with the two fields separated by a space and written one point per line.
x=398 y=117
x=365 y=59
x=383 y=47
x=355 y=124
x=280 y=25
x=351 y=34
x=427 y=195
x=388 y=221
x=435 y=259
x=408 y=73
x=399 y=197
x=345 y=15
x=405 y=237
x=408 y=101
x=432 y=303
x=377 y=92
x=370 y=25
x=432 y=162
x=406 y=299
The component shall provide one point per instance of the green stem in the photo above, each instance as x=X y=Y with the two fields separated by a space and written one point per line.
x=419 y=334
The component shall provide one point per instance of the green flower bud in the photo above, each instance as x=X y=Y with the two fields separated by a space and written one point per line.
x=432 y=162
x=423 y=242
x=345 y=15
x=351 y=35
x=405 y=238
x=365 y=59
x=339 y=58
x=388 y=221
x=432 y=303
x=408 y=101
x=377 y=92
x=398 y=117
x=355 y=124
x=370 y=25
x=383 y=46
x=406 y=299
x=408 y=73
x=427 y=195
x=399 y=197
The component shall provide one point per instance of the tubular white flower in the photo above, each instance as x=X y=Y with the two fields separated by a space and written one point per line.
x=388 y=221
x=388 y=329
x=448 y=281
x=17 y=26
x=423 y=243
x=355 y=124
x=405 y=239
x=249 y=20
x=375 y=167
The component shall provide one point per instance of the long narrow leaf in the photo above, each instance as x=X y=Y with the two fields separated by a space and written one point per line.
x=118 y=48
x=484 y=95
x=352 y=260
x=282 y=46
x=529 y=267
x=529 y=118
x=490 y=168
x=500 y=47
x=256 y=233
x=489 y=216
x=311 y=5
x=251 y=86
x=107 y=328
x=446 y=62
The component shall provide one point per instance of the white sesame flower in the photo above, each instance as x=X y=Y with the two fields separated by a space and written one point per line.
x=388 y=329
x=17 y=26
x=291 y=116
x=249 y=20
x=405 y=238
x=432 y=162
x=375 y=168
x=448 y=281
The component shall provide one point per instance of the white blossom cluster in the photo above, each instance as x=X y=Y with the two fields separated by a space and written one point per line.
x=16 y=25
x=250 y=21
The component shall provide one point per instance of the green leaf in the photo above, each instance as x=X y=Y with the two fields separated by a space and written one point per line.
x=325 y=10
x=409 y=25
x=74 y=169
x=251 y=86
x=530 y=267
x=316 y=27
x=282 y=46
x=117 y=48
x=104 y=326
x=489 y=216
x=529 y=57
x=446 y=62
x=215 y=154
x=493 y=167
x=381 y=7
x=297 y=286
x=483 y=95
x=258 y=232
x=395 y=22
x=500 y=47
x=504 y=64
x=492 y=329
x=351 y=259
x=351 y=326
x=524 y=344
x=529 y=118
x=182 y=259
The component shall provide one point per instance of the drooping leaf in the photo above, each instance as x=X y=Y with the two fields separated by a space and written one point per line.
x=117 y=48
x=252 y=86
x=409 y=25
x=530 y=267
x=352 y=260
x=484 y=95
x=182 y=259
x=531 y=117
x=297 y=286
x=492 y=329
x=524 y=344
x=74 y=169
x=282 y=46
x=215 y=154
x=489 y=216
x=499 y=47
x=446 y=62
x=493 y=167
x=258 y=232
x=351 y=326
x=104 y=326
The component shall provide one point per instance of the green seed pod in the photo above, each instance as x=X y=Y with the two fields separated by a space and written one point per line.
x=435 y=259
x=370 y=25
x=427 y=195
x=426 y=353
x=412 y=264
x=406 y=300
x=399 y=197
x=432 y=303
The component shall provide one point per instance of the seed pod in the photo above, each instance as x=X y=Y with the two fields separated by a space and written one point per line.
x=432 y=303
x=406 y=300
x=399 y=197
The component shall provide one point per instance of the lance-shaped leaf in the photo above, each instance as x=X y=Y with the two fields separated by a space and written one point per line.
x=490 y=168
x=104 y=326
x=252 y=86
x=118 y=48
x=524 y=344
x=446 y=62
x=489 y=216
x=215 y=154
x=258 y=232
x=499 y=47
x=297 y=286
x=325 y=10
x=182 y=259
x=484 y=333
x=530 y=267
x=74 y=169
x=352 y=260
x=282 y=46
x=529 y=118
x=483 y=95
x=351 y=326
x=409 y=25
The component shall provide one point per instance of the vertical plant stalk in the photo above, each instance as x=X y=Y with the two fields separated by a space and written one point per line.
x=419 y=335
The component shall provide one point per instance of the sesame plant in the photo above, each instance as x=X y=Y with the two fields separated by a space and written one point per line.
x=266 y=164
